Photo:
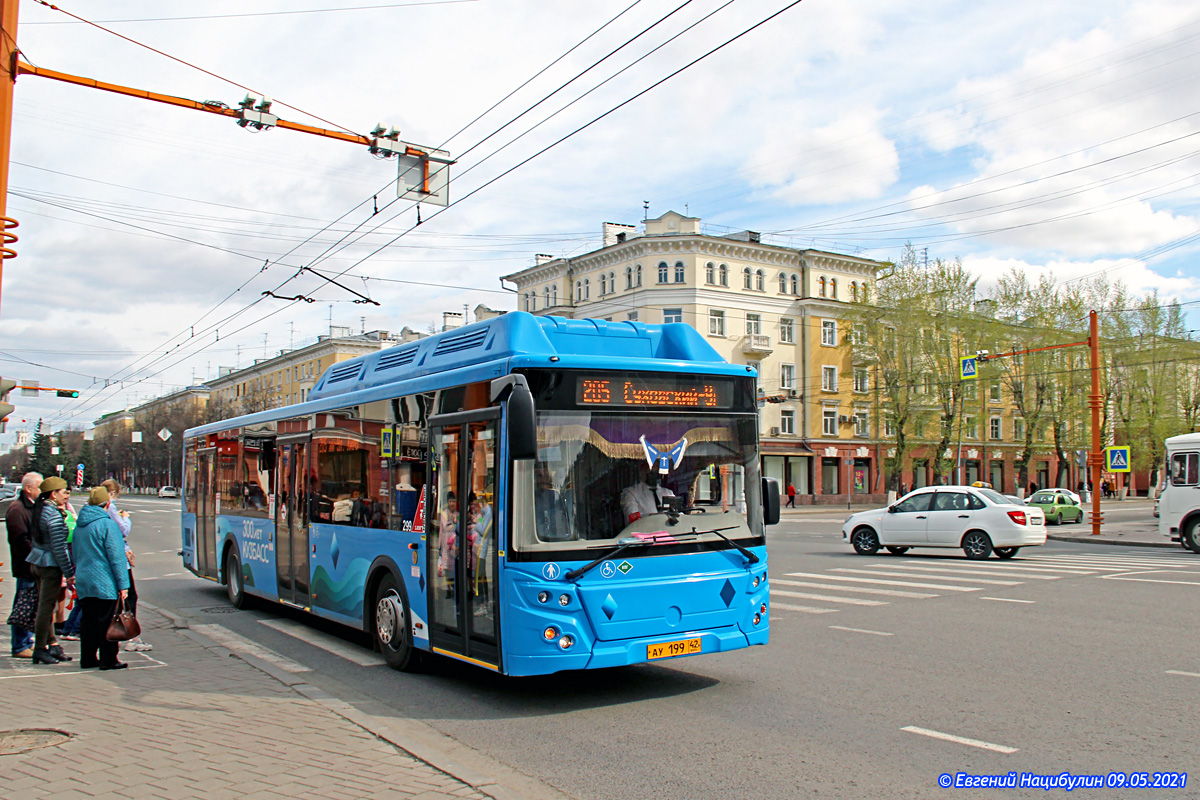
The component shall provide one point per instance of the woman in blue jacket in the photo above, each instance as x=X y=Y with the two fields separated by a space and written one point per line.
x=101 y=577
x=50 y=561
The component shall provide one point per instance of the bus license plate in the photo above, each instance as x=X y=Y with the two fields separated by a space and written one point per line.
x=684 y=647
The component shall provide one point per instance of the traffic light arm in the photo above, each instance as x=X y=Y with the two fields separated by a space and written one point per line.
x=257 y=117
x=990 y=357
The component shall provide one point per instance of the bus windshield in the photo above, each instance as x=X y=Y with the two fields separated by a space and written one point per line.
x=601 y=476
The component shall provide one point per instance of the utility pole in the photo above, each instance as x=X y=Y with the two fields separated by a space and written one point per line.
x=8 y=78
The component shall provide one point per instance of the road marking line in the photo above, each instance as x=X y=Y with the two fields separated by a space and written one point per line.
x=1181 y=672
x=805 y=609
x=325 y=641
x=238 y=643
x=895 y=574
x=949 y=737
x=1024 y=565
x=854 y=601
x=75 y=671
x=856 y=589
x=1006 y=600
x=1111 y=563
x=172 y=574
x=1125 y=576
x=885 y=583
x=1002 y=573
x=860 y=630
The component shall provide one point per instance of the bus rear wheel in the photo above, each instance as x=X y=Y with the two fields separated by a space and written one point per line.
x=235 y=585
x=392 y=627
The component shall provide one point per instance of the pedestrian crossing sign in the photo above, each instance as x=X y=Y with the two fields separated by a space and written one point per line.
x=1116 y=459
x=385 y=443
x=967 y=369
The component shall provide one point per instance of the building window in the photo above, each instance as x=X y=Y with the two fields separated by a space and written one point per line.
x=632 y=316
x=782 y=283
x=679 y=272
x=972 y=428
x=672 y=315
x=546 y=296
x=833 y=288
x=710 y=273
x=587 y=288
x=821 y=284
x=829 y=378
x=787 y=376
x=786 y=331
x=971 y=390
x=603 y=284
x=829 y=422
x=862 y=423
x=758 y=281
x=889 y=428
x=553 y=302
x=724 y=275
x=862 y=383
x=854 y=291
x=994 y=393
x=994 y=428
x=663 y=272
x=629 y=277
x=1018 y=429
x=795 y=285
x=578 y=291
x=787 y=421
x=637 y=275
x=753 y=324
x=747 y=278
x=716 y=323
x=612 y=282
x=829 y=332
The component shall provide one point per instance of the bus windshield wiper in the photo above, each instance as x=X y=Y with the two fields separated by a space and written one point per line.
x=625 y=544
x=753 y=559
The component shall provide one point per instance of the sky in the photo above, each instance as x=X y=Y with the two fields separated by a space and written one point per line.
x=1048 y=136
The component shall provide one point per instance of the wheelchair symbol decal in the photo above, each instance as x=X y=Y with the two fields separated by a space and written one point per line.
x=608 y=569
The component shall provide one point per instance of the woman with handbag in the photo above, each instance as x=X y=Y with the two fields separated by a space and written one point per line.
x=50 y=560
x=101 y=579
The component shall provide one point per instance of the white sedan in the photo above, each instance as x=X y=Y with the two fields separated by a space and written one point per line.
x=980 y=521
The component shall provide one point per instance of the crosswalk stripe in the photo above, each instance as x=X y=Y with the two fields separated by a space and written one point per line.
x=1106 y=558
x=1034 y=576
x=1117 y=565
x=828 y=598
x=1023 y=565
x=803 y=609
x=855 y=589
x=895 y=574
x=885 y=583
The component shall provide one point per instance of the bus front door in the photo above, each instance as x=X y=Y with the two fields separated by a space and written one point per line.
x=462 y=528
x=206 y=516
x=291 y=525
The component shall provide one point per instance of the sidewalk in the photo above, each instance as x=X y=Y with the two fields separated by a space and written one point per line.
x=193 y=720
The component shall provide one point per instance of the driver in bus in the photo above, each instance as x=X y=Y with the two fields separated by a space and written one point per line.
x=644 y=497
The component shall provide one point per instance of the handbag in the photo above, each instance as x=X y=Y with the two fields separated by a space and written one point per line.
x=124 y=625
x=24 y=610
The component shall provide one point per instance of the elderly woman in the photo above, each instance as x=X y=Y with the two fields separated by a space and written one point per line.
x=101 y=578
x=50 y=560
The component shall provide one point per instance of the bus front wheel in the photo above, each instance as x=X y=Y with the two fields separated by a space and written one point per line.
x=235 y=585
x=392 y=627
x=1191 y=536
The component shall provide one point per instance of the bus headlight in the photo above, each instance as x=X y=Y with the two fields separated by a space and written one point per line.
x=757 y=618
x=756 y=582
x=564 y=600
x=550 y=634
x=566 y=641
x=543 y=597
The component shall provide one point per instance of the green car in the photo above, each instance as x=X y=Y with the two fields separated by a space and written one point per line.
x=1057 y=506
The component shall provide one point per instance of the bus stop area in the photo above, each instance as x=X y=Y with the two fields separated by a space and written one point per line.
x=191 y=719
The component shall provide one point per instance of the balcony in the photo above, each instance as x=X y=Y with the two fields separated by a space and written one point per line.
x=756 y=344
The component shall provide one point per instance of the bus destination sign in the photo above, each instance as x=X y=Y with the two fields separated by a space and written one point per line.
x=652 y=392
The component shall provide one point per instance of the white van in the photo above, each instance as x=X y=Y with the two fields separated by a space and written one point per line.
x=1179 y=504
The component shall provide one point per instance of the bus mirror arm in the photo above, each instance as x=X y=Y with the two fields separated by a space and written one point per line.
x=522 y=422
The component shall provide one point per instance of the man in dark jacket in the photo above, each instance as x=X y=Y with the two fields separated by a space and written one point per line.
x=19 y=521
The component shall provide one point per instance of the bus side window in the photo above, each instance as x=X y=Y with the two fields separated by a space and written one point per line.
x=1185 y=469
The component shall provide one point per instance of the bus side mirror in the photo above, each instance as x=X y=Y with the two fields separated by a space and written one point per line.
x=522 y=422
x=770 y=491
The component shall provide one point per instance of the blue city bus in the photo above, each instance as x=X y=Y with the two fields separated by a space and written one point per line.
x=526 y=494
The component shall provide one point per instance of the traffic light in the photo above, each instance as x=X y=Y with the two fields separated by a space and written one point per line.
x=6 y=408
x=68 y=393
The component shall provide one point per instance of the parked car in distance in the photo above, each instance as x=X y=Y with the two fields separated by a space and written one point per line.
x=1058 y=506
x=980 y=521
x=1076 y=499
x=168 y=491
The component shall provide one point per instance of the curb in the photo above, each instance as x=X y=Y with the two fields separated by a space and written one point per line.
x=421 y=741
x=1126 y=543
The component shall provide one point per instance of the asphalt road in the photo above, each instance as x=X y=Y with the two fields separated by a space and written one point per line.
x=1071 y=657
